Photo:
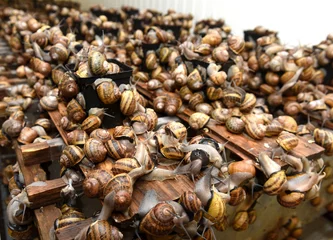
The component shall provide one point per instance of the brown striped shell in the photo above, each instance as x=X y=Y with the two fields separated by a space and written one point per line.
x=107 y=90
x=101 y=229
x=241 y=221
x=69 y=217
x=177 y=130
x=249 y=103
x=49 y=103
x=75 y=112
x=128 y=103
x=231 y=98
x=290 y=199
x=120 y=148
x=214 y=93
x=236 y=44
x=255 y=131
x=71 y=155
x=235 y=125
x=100 y=134
x=44 y=122
x=273 y=129
x=185 y=93
x=194 y=80
x=172 y=152
x=95 y=150
x=275 y=183
x=190 y=201
x=288 y=123
x=221 y=115
x=124 y=165
x=97 y=63
x=195 y=99
x=198 y=120
x=159 y=103
x=288 y=141
x=93 y=185
x=91 y=123
x=158 y=221
x=27 y=135
x=77 y=137
x=237 y=195
x=122 y=185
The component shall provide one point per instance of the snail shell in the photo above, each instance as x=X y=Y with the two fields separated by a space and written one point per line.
x=287 y=76
x=288 y=123
x=49 y=103
x=159 y=220
x=120 y=148
x=204 y=108
x=12 y=127
x=242 y=167
x=40 y=66
x=214 y=93
x=287 y=141
x=95 y=182
x=290 y=199
x=154 y=84
x=68 y=87
x=101 y=229
x=235 y=125
x=172 y=152
x=236 y=44
x=274 y=128
x=77 y=137
x=75 y=111
x=253 y=63
x=195 y=99
x=237 y=196
x=249 y=103
x=95 y=150
x=67 y=125
x=128 y=104
x=173 y=105
x=221 y=115
x=216 y=208
x=107 y=90
x=185 y=93
x=241 y=221
x=17 y=115
x=59 y=53
x=101 y=135
x=292 y=108
x=97 y=63
x=275 y=184
x=27 y=135
x=44 y=122
x=198 y=120
x=254 y=130
x=125 y=165
x=151 y=60
x=71 y=155
x=190 y=202
x=232 y=98
x=220 y=54
x=122 y=185
x=91 y=123
x=194 y=80
x=177 y=130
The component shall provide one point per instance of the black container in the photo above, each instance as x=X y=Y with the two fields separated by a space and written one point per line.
x=138 y=24
x=92 y=99
x=175 y=30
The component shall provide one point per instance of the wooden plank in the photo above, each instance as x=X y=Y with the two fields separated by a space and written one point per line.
x=10 y=73
x=37 y=153
x=44 y=220
x=56 y=118
x=243 y=145
x=46 y=194
x=30 y=173
x=69 y=232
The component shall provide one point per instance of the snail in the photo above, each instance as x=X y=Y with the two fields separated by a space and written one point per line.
x=107 y=90
x=287 y=141
x=77 y=137
x=277 y=179
x=27 y=135
x=91 y=123
x=71 y=155
x=95 y=182
x=97 y=63
x=49 y=103
x=75 y=112
x=12 y=127
x=100 y=134
x=128 y=104
x=68 y=88
x=95 y=150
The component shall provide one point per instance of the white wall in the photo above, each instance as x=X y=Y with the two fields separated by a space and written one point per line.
x=298 y=22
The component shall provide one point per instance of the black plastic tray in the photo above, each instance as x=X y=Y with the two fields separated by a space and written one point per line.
x=92 y=99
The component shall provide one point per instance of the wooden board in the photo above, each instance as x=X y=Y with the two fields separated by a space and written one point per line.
x=69 y=232
x=47 y=194
x=30 y=173
x=56 y=117
x=44 y=219
x=241 y=144
x=37 y=153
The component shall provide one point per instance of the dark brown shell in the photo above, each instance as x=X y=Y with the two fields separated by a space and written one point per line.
x=77 y=137
x=91 y=123
x=95 y=182
x=95 y=150
x=125 y=165
x=71 y=155
x=101 y=229
x=75 y=112
x=27 y=135
x=120 y=148
x=107 y=90
x=237 y=196
x=68 y=87
x=158 y=221
x=122 y=185
x=190 y=201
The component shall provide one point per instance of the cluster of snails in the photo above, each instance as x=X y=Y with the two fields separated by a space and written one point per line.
x=288 y=228
x=201 y=27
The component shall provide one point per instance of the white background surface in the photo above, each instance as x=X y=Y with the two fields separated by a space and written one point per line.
x=297 y=22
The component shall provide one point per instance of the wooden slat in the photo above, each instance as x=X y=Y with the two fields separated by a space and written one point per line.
x=30 y=173
x=56 y=117
x=241 y=144
x=69 y=232
x=44 y=219
x=48 y=194
x=37 y=153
